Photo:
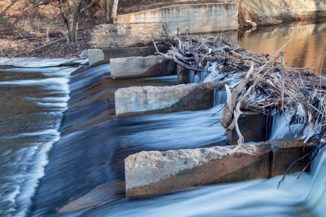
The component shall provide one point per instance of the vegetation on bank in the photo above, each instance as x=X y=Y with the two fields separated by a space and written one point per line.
x=50 y=28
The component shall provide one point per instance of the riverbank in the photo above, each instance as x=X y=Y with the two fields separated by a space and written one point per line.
x=39 y=32
x=39 y=38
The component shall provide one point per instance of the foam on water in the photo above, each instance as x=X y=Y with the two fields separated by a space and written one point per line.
x=48 y=83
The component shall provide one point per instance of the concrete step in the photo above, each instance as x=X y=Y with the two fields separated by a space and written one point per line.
x=138 y=67
x=149 y=99
x=153 y=172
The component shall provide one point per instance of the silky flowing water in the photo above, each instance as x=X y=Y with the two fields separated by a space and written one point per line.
x=62 y=149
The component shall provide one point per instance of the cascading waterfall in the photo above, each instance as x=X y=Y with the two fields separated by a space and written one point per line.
x=86 y=163
x=220 y=97
x=33 y=102
x=85 y=168
x=316 y=197
x=301 y=197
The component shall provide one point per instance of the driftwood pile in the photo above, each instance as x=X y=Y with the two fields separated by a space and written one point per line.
x=259 y=83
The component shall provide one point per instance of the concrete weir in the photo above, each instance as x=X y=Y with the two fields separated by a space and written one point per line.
x=149 y=99
x=152 y=173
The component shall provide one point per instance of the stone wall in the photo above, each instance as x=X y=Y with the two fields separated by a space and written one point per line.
x=271 y=12
x=126 y=35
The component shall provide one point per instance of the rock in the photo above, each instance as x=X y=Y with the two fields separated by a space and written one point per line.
x=152 y=173
x=149 y=99
x=135 y=67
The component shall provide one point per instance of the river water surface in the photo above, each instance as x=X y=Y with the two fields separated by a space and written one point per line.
x=62 y=150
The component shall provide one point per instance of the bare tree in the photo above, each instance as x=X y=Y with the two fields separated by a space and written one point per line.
x=111 y=8
x=72 y=10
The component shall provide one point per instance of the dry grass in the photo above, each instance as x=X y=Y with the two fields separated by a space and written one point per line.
x=38 y=38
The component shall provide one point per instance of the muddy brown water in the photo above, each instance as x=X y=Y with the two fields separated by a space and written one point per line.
x=306 y=47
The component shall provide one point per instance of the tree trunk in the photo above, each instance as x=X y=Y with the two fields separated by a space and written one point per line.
x=114 y=9
x=70 y=12
x=108 y=11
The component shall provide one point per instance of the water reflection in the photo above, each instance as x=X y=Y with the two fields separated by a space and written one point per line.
x=306 y=48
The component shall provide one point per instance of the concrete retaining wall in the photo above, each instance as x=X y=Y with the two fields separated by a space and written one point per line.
x=189 y=18
x=270 y=12
x=130 y=6
x=147 y=100
x=135 y=67
x=152 y=173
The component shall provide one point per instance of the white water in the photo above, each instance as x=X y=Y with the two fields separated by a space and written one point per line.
x=301 y=197
x=316 y=197
x=220 y=97
x=29 y=133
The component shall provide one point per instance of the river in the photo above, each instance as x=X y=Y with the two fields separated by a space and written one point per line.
x=62 y=149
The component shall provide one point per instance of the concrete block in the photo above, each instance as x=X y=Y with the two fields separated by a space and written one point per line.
x=134 y=51
x=149 y=99
x=96 y=57
x=285 y=152
x=183 y=75
x=254 y=128
x=152 y=173
x=135 y=67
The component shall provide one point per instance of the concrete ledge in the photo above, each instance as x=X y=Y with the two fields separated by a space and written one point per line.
x=135 y=67
x=35 y=62
x=99 y=56
x=149 y=99
x=151 y=173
